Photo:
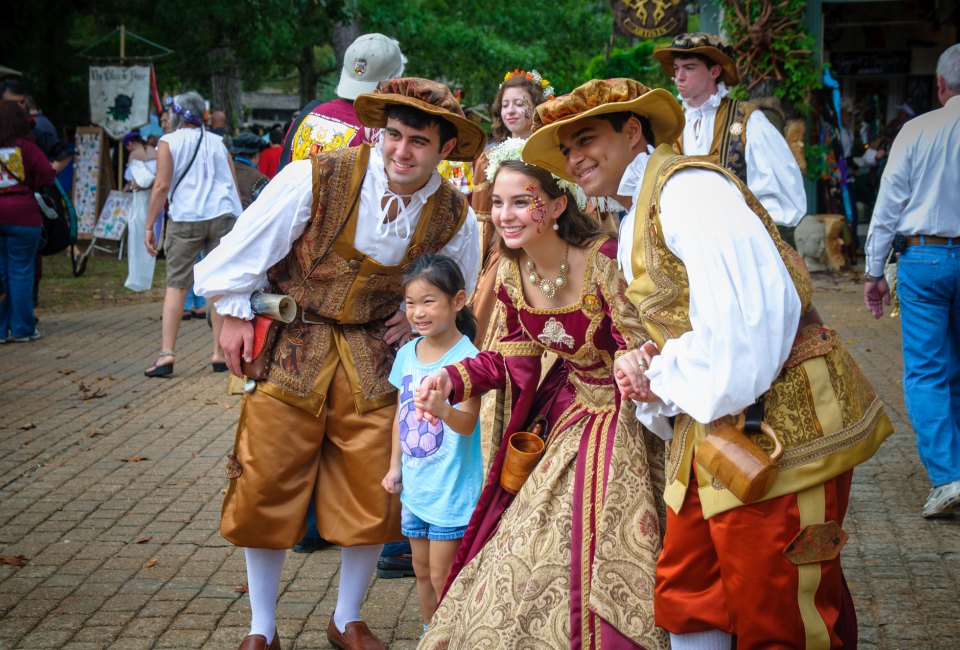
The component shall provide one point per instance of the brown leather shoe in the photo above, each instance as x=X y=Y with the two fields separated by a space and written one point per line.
x=356 y=636
x=259 y=642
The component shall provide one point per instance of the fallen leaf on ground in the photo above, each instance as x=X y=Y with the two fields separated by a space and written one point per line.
x=96 y=432
x=159 y=426
x=144 y=539
x=134 y=459
x=28 y=426
x=67 y=371
x=209 y=402
x=27 y=442
x=63 y=356
x=241 y=590
x=95 y=394
x=150 y=563
x=187 y=521
x=14 y=560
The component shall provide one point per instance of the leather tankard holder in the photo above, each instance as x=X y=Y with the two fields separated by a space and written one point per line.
x=524 y=449
x=737 y=462
x=264 y=334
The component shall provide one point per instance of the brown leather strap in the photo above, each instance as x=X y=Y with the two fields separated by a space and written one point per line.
x=915 y=240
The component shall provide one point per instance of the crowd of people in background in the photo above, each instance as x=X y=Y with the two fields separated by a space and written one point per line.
x=585 y=283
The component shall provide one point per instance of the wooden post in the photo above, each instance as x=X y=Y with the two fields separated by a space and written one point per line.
x=123 y=53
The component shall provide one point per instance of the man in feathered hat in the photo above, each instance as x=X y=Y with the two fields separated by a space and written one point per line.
x=733 y=133
x=733 y=333
x=335 y=232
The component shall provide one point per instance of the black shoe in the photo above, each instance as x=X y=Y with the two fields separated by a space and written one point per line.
x=395 y=566
x=311 y=544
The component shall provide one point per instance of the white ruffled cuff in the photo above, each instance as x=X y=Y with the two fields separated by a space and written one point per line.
x=655 y=416
x=235 y=304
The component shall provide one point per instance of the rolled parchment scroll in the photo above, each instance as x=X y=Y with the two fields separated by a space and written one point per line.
x=277 y=306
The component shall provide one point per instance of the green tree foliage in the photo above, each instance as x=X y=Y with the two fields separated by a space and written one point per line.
x=473 y=44
x=635 y=62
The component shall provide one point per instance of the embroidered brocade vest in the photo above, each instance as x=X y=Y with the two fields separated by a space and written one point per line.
x=344 y=296
x=729 y=146
x=826 y=413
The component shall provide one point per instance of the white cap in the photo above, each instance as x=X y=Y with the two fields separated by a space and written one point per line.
x=369 y=60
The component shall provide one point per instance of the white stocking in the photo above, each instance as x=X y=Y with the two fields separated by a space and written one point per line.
x=264 y=566
x=710 y=640
x=356 y=568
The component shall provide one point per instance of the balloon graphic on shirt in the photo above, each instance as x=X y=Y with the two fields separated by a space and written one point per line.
x=418 y=439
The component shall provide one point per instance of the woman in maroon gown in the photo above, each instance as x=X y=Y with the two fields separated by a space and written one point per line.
x=568 y=561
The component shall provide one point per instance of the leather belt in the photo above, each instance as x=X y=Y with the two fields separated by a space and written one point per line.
x=916 y=240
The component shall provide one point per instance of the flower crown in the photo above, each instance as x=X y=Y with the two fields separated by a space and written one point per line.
x=186 y=114
x=535 y=77
x=510 y=149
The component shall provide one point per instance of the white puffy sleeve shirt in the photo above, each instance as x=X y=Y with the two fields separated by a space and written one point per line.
x=265 y=232
x=744 y=309
x=772 y=172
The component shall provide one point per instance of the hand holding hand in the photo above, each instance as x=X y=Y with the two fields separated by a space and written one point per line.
x=438 y=382
x=434 y=405
x=398 y=329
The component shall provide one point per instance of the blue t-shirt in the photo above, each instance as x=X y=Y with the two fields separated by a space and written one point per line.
x=442 y=470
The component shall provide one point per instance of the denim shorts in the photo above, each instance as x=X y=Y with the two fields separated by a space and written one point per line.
x=415 y=527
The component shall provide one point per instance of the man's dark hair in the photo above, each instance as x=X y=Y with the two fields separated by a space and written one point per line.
x=276 y=135
x=617 y=120
x=417 y=119
x=12 y=85
x=696 y=55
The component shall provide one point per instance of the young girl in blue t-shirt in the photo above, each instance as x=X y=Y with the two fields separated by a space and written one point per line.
x=439 y=464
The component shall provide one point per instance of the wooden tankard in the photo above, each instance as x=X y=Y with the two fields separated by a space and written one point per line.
x=737 y=462
x=524 y=449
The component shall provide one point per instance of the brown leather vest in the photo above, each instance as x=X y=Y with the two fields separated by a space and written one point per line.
x=338 y=287
x=729 y=146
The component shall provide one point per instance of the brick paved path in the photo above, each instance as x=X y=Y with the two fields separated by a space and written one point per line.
x=74 y=404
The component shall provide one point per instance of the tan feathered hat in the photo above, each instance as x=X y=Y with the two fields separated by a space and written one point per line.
x=430 y=97
x=704 y=44
x=594 y=98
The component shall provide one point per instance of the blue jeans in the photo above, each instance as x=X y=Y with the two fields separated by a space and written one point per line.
x=18 y=255
x=928 y=285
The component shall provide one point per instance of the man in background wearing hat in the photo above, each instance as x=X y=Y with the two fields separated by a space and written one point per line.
x=727 y=305
x=729 y=131
x=245 y=149
x=336 y=233
x=370 y=59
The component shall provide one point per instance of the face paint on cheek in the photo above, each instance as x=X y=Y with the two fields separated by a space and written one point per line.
x=527 y=109
x=538 y=209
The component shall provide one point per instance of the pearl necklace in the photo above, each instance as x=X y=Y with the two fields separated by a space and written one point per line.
x=547 y=286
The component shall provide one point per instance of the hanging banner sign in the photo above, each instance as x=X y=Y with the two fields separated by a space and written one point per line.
x=649 y=18
x=119 y=98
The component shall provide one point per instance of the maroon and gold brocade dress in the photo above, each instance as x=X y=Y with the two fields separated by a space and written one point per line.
x=569 y=561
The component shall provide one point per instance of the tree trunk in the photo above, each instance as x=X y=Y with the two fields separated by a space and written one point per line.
x=308 y=74
x=227 y=87
x=345 y=32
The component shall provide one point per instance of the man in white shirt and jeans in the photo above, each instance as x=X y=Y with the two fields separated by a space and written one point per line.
x=919 y=199
x=733 y=133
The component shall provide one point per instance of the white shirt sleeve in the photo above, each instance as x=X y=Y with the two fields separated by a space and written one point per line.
x=464 y=248
x=772 y=172
x=262 y=236
x=744 y=309
x=892 y=198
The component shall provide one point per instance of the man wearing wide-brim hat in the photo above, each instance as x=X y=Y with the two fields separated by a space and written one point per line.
x=728 y=309
x=335 y=232
x=731 y=132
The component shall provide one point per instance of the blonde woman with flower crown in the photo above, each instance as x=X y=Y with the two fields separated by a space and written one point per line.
x=569 y=560
x=512 y=110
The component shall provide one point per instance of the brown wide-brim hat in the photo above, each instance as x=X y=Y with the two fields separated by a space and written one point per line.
x=597 y=97
x=430 y=97
x=704 y=44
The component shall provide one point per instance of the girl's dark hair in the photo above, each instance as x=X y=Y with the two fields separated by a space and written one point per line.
x=443 y=273
x=498 y=128
x=575 y=227
x=14 y=123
